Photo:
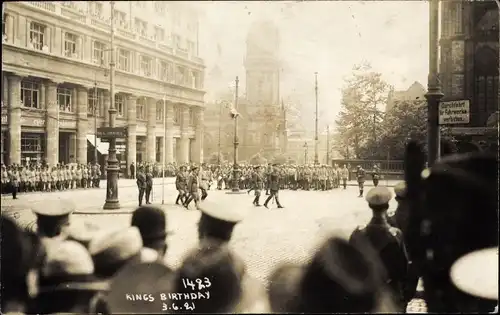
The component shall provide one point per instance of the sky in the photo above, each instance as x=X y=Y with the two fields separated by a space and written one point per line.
x=327 y=37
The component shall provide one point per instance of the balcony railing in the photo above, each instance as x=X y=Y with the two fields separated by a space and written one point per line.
x=44 y=5
x=181 y=53
x=146 y=40
x=125 y=33
x=166 y=48
x=70 y=13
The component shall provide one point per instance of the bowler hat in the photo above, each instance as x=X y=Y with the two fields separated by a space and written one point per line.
x=151 y=222
x=340 y=278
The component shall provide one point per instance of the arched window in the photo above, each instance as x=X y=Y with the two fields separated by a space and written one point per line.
x=486 y=83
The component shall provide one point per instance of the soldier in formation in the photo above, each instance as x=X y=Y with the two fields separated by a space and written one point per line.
x=45 y=178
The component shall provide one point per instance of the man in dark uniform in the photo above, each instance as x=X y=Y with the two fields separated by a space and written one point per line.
x=269 y=171
x=141 y=184
x=149 y=184
x=258 y=184
x=53 y=217
x=180 y=185
x=375 y=175
x=132 y=170
x=360 y=174
x=217 y=222
x=387 y=241
x=274 y=182
x=192 y=188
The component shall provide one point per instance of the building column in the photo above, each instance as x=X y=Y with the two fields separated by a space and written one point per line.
x=169 y=153
x=14 y=119
x=197 y=149
x=52 y=124
x=82 y=125
x=132 y=131
x=106 y=103
x=183 y=154
x=151 y=130
x=9 y=28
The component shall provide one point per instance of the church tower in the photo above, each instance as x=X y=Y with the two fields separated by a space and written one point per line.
x=262 y=65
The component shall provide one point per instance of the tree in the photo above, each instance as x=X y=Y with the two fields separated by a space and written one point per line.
x=406 y=120
x=359 y=119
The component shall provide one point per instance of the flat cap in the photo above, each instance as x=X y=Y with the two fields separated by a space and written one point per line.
x=53 y=208
x=378 y=196
x=400 y=189
x=222 y=212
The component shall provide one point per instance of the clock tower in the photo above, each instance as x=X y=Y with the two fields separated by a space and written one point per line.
x=262 y=65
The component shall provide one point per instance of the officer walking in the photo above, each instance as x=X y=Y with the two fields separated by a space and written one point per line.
x=192 y=188
x=180 y=185
x=376 y=175
x=274 y=186
x=360 y=174
x=149 y=184
x=204 y=179
x=344 y=173
x=258 y=184
x=141 y=183
x=387 y=241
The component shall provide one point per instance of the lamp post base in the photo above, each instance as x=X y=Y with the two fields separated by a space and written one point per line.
x=111 y=205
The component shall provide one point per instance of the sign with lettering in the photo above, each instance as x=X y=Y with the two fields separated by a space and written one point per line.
x=67 y=124
x=112 y=132
x=5 y=120
x=454 y=112
x=473 y=131
x=32 y=121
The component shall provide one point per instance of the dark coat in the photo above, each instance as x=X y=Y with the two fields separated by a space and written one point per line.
x=141 y=181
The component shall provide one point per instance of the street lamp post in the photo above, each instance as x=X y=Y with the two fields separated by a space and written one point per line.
x=236 y=185
x=316 y=161
x=305 y=153
x=95 y=119
x=164 y=148
x=220 y=117
x=434 y=93
x=113 y=167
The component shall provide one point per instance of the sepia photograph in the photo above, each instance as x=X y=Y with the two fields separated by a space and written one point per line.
x=254 y=157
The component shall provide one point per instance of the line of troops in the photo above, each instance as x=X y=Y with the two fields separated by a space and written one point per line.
x=43 y=178
x=304 y=177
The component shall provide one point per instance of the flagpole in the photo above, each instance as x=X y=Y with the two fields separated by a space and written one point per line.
x=235 y=154
x=164 y=149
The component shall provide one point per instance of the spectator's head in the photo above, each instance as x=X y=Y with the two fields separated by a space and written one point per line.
x=459 y=216
x=400 y=191
x=22 y=254
x=81 y=232
x=215 y=267
x=378 y=199
x=112 y=250
x=339 y=279
x=67 y=283
x=152 y=223
x=137 y=288
x=52 y=216
x=217 y=221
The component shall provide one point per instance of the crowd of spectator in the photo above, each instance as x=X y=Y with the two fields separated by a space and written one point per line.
x=446 y=214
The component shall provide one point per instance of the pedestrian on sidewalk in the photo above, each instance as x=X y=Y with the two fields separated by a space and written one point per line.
x=141 y=184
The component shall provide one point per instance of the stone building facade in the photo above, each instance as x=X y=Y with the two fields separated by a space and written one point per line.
x=55 y=81
x=470 y=63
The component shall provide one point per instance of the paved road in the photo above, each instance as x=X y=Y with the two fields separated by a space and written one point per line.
x=264 y=240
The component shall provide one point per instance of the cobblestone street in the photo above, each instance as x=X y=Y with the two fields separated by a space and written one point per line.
x=267 y=237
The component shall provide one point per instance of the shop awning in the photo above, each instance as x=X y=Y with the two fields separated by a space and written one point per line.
x=102 y=147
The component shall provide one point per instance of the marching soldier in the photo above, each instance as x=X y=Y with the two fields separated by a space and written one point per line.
x=45 y=177
x=149 y=183
x=180 y=185
x=258 y=184
x=88 y=168
x=141 y=183
x=67 y=177
x=274 y=188
x=79 y=177
x=387 y=241
x=84 y=176
x=5 y=179
x=220 y=178
x=269 y=171
x=15 y=179
x=53 y=179
x=360 y=174
x=192 y=188
x=375 y=175
x=73 y=177
x=344 y=173
x=205 y=177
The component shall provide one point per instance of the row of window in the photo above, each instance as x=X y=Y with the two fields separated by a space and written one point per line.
x=30 y=98
x=147 y=66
